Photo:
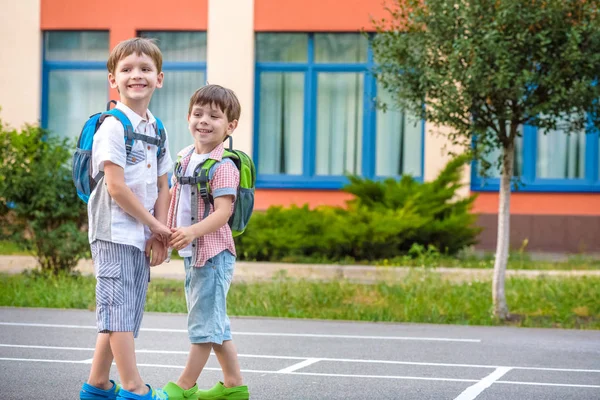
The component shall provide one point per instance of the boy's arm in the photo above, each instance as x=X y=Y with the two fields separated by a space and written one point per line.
x=183 y=236
x=114 y=176
x=161 y=207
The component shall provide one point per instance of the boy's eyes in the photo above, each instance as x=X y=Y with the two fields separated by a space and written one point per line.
x=198 y=114
x=144 y=69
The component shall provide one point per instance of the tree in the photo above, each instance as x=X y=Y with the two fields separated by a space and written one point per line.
x=485 y=68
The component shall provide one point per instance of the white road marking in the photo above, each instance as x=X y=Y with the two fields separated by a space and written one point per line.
x=346 y=360
x=473 y=391
x=297 y=366
x=281 y=334
x=419 y=378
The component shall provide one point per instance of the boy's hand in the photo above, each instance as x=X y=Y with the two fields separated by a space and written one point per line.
x=181 y=237
x=156 y=250
x=161 y=230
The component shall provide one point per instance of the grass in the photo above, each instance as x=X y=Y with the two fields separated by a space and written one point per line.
x=8 y=248
x=422 y=297
x=421 y=257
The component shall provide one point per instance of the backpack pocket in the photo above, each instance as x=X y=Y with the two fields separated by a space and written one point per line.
x=244 y=204
x=82 y=164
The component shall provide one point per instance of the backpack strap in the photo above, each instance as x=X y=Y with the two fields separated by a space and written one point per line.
x=129 y=135
x=162 y=137
x=203 y=186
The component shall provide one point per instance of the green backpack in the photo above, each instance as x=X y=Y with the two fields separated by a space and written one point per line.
x=244 y=203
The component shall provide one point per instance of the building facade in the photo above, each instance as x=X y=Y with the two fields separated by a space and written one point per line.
x=301 y=71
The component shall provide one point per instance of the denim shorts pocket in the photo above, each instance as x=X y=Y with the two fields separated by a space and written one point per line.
x=227 y=266
x=109 y=286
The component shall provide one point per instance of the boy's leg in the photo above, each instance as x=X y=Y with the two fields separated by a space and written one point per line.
x=199 y=353
x=123 y=273
x=122 y=343
x=228 y=359
x=103 y=358
x=123 y=348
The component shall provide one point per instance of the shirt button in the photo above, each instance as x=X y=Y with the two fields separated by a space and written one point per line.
x=133 y=159
x=193 y=218
x=149 y=165
x=193 y=245
x=148 y=147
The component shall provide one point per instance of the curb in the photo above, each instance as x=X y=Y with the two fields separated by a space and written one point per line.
x=265 y=271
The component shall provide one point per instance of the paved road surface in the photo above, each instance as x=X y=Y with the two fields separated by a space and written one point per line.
x=45 y=353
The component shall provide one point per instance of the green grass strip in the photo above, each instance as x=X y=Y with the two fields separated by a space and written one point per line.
x=422 y=297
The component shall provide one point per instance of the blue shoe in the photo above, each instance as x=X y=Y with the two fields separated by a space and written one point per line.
x=89 y=392
x=153 y=394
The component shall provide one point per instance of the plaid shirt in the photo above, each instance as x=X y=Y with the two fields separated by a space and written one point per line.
x=224 y=182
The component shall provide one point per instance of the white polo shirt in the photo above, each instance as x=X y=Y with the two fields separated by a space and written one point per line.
x=108 y=221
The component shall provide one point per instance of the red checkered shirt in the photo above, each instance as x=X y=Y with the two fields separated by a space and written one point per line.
x=226 y=176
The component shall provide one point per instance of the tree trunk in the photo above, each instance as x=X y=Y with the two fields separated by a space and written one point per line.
x=503 y=239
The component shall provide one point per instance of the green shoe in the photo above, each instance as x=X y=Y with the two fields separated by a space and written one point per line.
x=176 y=392
x=220 y=392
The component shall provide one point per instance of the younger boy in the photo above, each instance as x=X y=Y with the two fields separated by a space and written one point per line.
x=207 y=244
x=127 y=214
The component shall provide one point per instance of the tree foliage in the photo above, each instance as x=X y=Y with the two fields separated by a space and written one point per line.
x=39 y=207
x=486 y=67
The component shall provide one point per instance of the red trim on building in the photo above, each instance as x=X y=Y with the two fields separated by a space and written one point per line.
x=542 y=203
x=316 y=15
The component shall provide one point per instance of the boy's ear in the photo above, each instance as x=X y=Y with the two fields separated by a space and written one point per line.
x=159 y=80
x=231 y=126
x=112 y=81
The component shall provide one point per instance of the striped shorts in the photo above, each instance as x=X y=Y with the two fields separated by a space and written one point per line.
x=122 y=276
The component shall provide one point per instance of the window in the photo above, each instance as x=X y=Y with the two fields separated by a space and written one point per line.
x=74 y=81
x=316 y=119
x=184 y=65
x=550 y=161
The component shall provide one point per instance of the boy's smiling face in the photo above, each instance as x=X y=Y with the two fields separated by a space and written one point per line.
x=136 y=77
x=209 y=127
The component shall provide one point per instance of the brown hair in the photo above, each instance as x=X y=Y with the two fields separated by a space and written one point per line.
x=222 y=97
x=138 y=46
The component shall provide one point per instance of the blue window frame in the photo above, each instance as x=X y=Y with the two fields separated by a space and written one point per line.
x=315 y=115
x=550 y=162
x=184 y=65
x=74 y=79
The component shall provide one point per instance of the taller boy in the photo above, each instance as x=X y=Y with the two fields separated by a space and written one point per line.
x=127 y=215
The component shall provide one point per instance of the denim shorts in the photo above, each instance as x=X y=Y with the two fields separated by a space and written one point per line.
x=206 y=290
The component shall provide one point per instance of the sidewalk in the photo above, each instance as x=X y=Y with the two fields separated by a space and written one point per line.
x=265 y=271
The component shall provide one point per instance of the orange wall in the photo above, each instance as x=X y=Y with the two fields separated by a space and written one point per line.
x=486 y=202
x=316 y=15
x=125 y=18
x=269 y=197
x=542 y=203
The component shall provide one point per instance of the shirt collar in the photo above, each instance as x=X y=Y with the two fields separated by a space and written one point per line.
x=217 y=153
x=134 y=118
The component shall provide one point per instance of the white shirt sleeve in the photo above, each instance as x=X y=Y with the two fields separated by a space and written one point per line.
x=166 y=164
x=109 y=144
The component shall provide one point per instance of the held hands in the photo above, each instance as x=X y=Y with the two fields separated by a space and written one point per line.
x=156 y=250
x=161 y=231
x=181 y=237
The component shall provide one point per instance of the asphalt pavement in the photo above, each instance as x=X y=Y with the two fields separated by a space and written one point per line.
x=46 y=353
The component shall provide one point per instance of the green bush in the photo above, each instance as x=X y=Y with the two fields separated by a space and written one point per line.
x=384 y=220
x=39 y=207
